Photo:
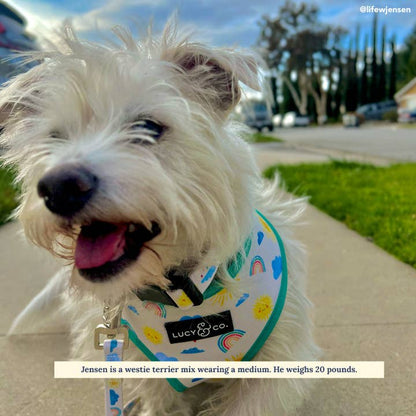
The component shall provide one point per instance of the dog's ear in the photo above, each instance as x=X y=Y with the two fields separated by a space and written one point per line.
x=213 y=76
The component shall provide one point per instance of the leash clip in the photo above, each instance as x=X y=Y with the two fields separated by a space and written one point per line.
x=113 y=348
x=111 y=327
x=101 y=331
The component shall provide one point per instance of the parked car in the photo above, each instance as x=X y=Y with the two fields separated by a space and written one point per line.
x=350 y=120
x=292 y=119
x=277 y=120
x=376 y=111
x=257 y=115
x=407 y=116
x=13 y=37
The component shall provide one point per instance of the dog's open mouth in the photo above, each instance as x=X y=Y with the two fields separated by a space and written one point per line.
x=104 y=249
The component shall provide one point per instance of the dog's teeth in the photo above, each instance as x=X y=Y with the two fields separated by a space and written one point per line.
x=132 y=228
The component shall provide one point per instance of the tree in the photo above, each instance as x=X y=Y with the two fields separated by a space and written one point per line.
x=406 y=60
x=301 y=50
x=382 y=73
x=364 y=75
x=351 y=83
x=337 y=88
x=273 y=90
x=393 y=69
x=288 y=104
x=321 y=76
x=374 y=72
x=350 y=96
x=356 y=83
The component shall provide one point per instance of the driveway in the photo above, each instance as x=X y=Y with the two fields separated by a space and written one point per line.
x=386 y=141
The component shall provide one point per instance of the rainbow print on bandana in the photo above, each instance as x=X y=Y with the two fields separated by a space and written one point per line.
x=257 y=266
x=226 y=341
x=157 y=308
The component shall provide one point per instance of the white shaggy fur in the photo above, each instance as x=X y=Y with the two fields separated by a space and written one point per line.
x=199 y=182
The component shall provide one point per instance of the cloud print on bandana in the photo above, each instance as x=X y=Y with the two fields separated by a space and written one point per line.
x=260 y=236
x=133 y=309
x=163 y=357
x=277 y=267
x=209 y=274
x=192 y=351
x=186 y=317
x=243 y=298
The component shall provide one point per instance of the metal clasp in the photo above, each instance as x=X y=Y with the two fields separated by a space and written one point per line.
x=102 y=332
x=111 y=328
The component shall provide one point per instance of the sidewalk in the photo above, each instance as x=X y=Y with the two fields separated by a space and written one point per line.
x=293 y=153
x=365 y=309
x=365 y=306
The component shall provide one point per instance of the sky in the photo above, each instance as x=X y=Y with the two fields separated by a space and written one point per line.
x=219 y=22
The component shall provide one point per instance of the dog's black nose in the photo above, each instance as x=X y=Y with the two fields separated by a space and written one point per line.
x=66 y=189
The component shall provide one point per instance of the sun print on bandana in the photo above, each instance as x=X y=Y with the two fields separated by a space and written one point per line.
x=263 y=307
x=221 y=297
x=152 y=335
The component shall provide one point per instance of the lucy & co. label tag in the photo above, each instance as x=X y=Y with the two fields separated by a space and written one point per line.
x=199 y=328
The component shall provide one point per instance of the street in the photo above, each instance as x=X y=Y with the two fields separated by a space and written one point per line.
x=391 y=142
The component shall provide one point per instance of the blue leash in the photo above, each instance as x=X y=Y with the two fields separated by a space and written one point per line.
x=113 y=348
x=113 y=351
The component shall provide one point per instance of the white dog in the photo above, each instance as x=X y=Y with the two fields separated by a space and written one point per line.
x=132 y=170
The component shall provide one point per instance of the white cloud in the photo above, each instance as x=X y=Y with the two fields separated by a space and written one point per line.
x=228 y=22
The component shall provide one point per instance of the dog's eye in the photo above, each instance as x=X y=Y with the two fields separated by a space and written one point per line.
x=148 y=127
x=55 y=134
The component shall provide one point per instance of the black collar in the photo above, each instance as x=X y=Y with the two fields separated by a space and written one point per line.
x=178 y=281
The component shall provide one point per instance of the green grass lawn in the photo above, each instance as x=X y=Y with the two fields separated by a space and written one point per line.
x=8 y=195
x=377 y=202
x=261 y=138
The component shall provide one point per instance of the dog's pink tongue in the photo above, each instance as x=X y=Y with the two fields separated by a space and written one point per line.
x=94 y=251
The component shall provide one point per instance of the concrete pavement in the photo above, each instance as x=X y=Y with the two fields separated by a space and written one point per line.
x=289 y=153
x=365 y=309
x=388 y=141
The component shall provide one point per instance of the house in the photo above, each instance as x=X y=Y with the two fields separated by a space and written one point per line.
x=406 y=97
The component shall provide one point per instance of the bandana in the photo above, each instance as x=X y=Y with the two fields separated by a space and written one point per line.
x=223 y=326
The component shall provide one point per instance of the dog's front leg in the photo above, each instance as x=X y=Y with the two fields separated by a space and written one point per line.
x=44 y=310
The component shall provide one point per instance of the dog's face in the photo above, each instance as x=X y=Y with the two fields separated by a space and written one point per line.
x=127 y=162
